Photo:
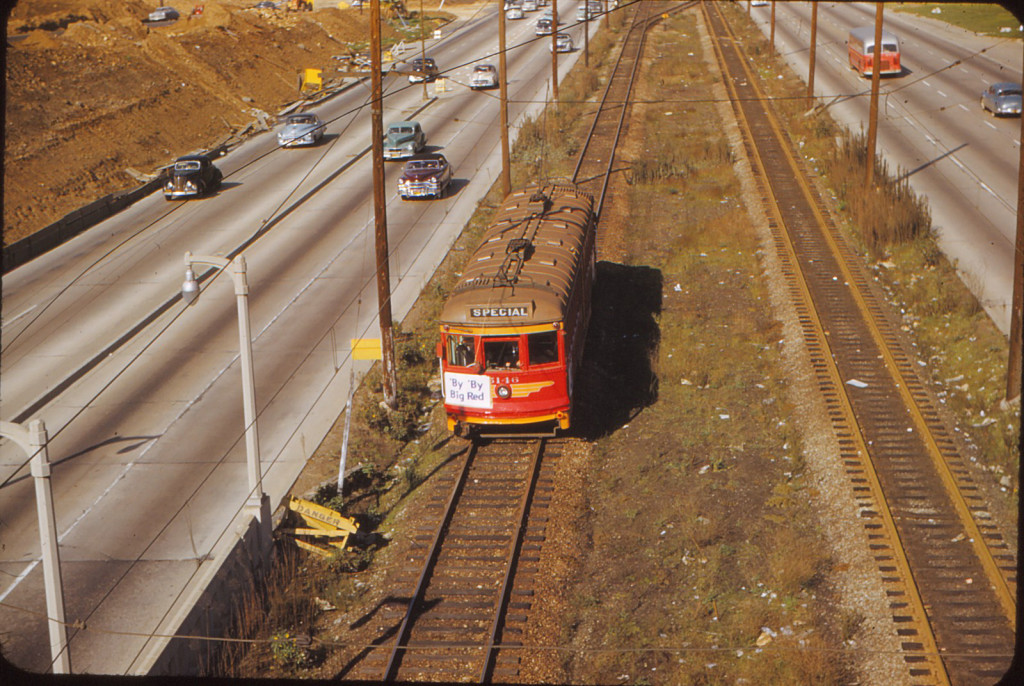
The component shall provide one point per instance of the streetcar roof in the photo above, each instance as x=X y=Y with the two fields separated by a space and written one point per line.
x=522 y=272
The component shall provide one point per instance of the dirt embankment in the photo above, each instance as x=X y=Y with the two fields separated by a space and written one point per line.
x=93 y=91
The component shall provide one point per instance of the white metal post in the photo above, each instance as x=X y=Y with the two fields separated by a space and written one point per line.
x=257 y=501
x=34 y=441
x=252 y=438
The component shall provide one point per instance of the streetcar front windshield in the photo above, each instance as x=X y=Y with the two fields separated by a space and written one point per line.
x=501 y=353
x=543 y=347
x=461 y=351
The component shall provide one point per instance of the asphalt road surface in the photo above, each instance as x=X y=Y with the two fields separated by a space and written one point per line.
x=141 y=395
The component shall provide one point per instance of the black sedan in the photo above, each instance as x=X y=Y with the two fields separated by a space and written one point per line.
x=192 y=176
x=425 y=175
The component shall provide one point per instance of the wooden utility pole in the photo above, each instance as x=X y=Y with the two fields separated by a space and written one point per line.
x=380 y=223
x=771 y=36
x=814 y=45
x=876 y=78
x=1014 y=364
x=506 y=163
x=586 y=33
x=554 y=52
x=423 y=52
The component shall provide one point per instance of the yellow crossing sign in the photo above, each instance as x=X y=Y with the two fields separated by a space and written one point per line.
x=321 y=523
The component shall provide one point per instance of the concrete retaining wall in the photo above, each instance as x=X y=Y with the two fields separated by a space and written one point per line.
x=72 y=224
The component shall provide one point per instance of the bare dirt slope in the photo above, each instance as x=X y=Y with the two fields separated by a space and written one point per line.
x=92 y=90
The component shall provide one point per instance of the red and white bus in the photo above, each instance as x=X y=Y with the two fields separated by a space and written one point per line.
x=860 y=45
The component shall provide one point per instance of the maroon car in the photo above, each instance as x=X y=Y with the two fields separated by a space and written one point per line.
x=425 y=175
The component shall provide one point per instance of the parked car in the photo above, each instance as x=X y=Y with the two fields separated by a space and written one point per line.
x=543 y=27
x=403 y=139
x=164 y=14
x=484 y=76
x=1002 y=98
x=304 y=128
x=514 y=12
x=563 y=43
x=424 y=69
x=426 y=175
x=192 y=176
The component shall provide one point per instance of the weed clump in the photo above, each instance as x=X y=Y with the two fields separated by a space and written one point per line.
x=889 y=212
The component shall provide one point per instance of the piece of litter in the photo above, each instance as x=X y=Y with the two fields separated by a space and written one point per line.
x=856 y=383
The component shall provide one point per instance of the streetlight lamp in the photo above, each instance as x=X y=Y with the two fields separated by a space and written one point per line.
x=257 y=502
x=33 y=441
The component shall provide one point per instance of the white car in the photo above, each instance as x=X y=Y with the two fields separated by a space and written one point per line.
x=514 y=12
x=529 y=5
x=304 y=128
x=163 y=14
x=484 y=76
x=563 y=43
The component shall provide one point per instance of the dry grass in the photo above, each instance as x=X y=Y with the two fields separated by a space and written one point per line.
x=889 y=212
x=701 y=532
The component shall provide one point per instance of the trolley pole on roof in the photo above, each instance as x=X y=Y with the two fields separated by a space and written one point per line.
x=814 y=45
x=387 y=340
x=876 y=77
x=554 y=53
x=506 y=163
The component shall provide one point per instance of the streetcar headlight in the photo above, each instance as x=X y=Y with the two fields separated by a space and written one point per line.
x=503 y=392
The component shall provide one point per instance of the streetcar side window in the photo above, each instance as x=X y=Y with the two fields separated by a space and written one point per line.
x=543 y=347
x=461 y=351
x=501 y=353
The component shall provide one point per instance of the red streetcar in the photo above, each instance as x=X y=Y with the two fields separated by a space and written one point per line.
x=512 y=333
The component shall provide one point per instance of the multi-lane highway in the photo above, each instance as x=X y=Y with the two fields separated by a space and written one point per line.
x=931 y=126
x=141 y=395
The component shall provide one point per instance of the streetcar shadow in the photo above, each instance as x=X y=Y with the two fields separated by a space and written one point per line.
x=617 y=378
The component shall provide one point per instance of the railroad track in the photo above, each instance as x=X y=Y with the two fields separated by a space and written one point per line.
x=948 y=573
x=595 y=164
x=466 y=587
x=468 y=578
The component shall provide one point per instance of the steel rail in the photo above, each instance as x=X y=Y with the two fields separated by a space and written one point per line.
x=909 y=392
x=642 y=22
x=825 y=365
x=431 y=559
x=1005 y=595
x=510 y=568
x=602 y=108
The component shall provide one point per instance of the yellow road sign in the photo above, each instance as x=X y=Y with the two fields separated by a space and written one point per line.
x=366 y=349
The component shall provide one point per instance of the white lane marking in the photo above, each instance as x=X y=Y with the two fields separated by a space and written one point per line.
x=941 y=93
x=991 y=125
x=60 y=539
x=19 y=316
x=925 y=82
x=963 y=107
